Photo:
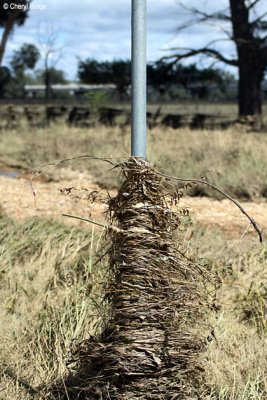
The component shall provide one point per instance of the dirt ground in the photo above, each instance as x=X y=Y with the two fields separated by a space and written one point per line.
x=69 y=195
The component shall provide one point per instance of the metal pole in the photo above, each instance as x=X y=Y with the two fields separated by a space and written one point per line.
x=138 y=95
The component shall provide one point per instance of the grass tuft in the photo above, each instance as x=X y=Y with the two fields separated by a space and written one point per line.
x=50 y=298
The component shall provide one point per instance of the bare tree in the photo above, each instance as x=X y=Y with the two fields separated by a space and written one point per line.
x=243 y=22
x=51 y=53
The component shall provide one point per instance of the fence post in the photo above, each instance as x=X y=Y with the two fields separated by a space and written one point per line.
x=138 y=85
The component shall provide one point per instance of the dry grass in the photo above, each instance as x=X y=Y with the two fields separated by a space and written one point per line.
x=49 y=291
x=234 y=160
x=227 y=110
x=49 y=302
x=236 y=358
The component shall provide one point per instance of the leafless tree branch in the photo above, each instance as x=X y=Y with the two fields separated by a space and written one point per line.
x=252 y=5
x=218 y=15
x=258 y=19
x=201 y=16
x=188 y=52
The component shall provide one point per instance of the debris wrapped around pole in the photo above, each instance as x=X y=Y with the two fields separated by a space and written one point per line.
x=157 y=332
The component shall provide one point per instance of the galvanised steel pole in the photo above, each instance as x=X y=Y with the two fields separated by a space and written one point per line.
x=138 y=91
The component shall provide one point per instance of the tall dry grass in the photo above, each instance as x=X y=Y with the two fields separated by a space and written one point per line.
x=51 y=300
x=50 y=296
x=234 y=160
x=236 y=358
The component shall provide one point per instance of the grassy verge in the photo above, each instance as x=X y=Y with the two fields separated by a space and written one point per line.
x=236 y=358
x=50 y=300
x=235 y=161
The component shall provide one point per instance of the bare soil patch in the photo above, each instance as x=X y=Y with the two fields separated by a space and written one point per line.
x=17 y=200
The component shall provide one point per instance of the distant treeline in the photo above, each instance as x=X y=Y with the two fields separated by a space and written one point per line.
x=165 y=80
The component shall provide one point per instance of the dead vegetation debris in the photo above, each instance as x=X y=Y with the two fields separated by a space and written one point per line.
x=157 y=328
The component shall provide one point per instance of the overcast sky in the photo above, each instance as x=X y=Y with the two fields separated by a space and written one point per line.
x=101 y=29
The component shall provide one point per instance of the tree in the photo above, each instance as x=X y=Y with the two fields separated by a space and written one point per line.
x=121 y=72
x=117 y=72
x=56 y=76
x=51 y=54
x=5 y=78
x=244 y=23
x=162 y=75
x=9 y=17
x=23 y=59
